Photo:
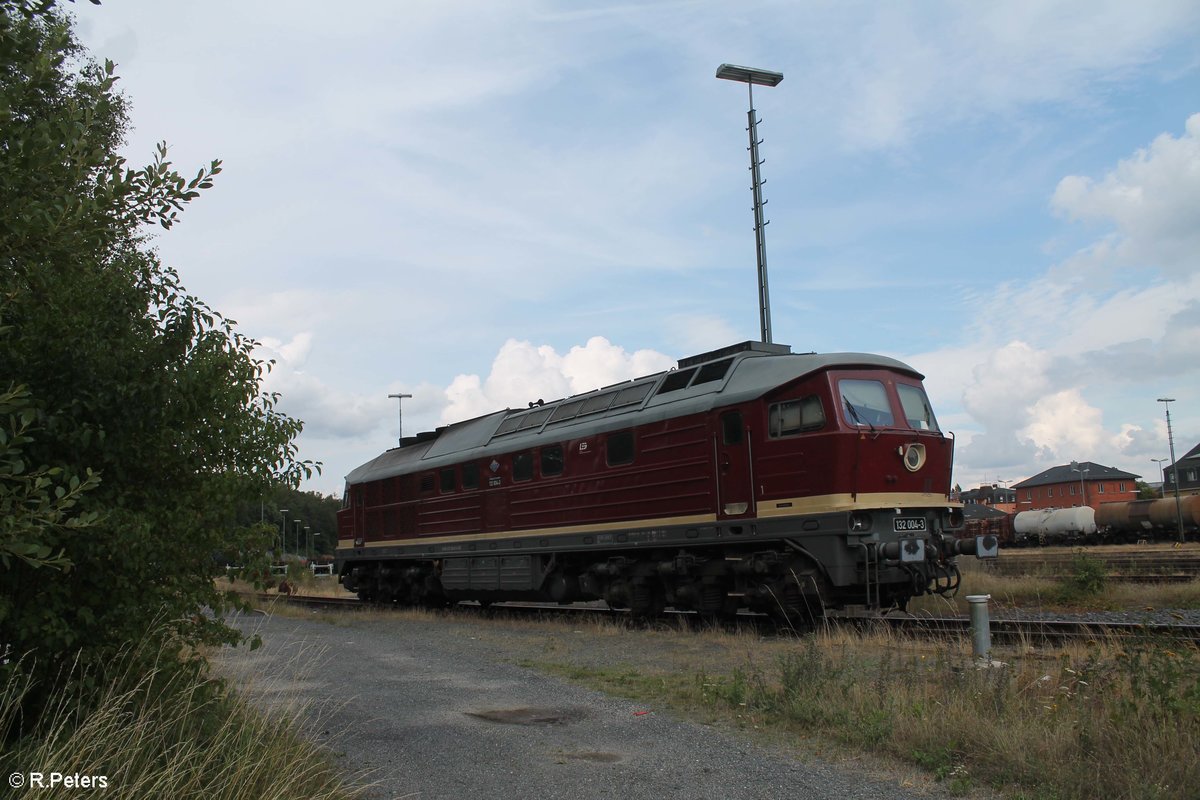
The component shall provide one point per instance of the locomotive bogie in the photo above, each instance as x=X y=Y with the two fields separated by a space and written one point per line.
x=748 y=478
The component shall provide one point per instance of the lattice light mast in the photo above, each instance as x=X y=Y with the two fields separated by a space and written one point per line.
x=1166 y=401
x=400 y=398
x=751 y=76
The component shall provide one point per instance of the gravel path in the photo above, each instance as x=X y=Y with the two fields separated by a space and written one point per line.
x=434 y=708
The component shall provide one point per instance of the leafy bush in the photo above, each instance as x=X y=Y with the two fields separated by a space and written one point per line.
x=133 y=418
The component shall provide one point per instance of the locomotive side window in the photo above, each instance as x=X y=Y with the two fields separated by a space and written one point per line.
x=446 y=478
x=535 y=419
x=866 y=403
x=470 y=476
x=634 y=394
x=676 y=380
x=731 y=428
x=522 y=466
x=509 y=425
x=619 y=449
x=600 y=402
x=796 y=416
x=916 y=407
x=566 y=410
x=712 y=372
x=552 y=460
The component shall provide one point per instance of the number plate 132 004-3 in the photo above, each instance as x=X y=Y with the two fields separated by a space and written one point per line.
x=908 y=524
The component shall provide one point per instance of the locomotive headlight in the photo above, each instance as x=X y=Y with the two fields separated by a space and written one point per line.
x=952 y=519
x=914 y=457
x=860 y=522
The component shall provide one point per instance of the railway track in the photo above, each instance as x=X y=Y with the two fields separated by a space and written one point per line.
x=1003 y=631
x=1158 y=565
x=1043 y=632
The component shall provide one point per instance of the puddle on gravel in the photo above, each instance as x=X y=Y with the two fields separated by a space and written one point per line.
x=529 y=716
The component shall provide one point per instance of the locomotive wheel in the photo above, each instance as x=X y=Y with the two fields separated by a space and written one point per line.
x=646 y=601
x=798 y=596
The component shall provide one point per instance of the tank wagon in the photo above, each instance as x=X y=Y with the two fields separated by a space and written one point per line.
x=748 y=477
x=1055 y=525
x=1135 y=519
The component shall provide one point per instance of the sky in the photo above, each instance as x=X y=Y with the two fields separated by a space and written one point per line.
x=486 y=203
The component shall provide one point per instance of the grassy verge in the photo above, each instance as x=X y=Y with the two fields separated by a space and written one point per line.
x=1085 y=587
x=1115 y=720
x=160 y=733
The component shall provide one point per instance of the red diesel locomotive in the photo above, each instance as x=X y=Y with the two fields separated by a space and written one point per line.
x=748 y=477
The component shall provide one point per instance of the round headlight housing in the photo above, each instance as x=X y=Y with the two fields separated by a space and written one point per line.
x=914 y=457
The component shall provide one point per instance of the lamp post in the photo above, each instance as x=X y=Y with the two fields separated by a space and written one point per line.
x=308 y=542
x=1166 y=401
x=762 y=77
x=314 y=541
x=1162 y=487
x=1082 y=488
x=400 y=398
x=283 y=533
x=296 y=535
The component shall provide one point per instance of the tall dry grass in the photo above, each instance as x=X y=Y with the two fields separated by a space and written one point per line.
x=1117 y=719
x=157 y=733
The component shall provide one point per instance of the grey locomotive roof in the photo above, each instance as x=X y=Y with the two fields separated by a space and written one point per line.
x=753 y=370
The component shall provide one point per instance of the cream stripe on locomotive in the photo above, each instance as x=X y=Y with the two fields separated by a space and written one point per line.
x=767 y=509
x=823 y=504
x=601 y=527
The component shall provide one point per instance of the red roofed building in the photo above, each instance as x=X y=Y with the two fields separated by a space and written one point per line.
x=1078 y=484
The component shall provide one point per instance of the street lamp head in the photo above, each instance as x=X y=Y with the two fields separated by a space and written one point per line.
x=760 y=77
x=1166 y=399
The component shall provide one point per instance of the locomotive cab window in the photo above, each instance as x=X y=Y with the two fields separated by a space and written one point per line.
x=796 y=416
x=731 y=428
x=470 y=476
x=522 y=466
x=866 y=403
x=917 y=410
x=552 y=460
x=619 y=449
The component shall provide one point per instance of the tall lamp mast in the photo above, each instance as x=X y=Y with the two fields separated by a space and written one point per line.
x=751 y=76
x=1166 y=401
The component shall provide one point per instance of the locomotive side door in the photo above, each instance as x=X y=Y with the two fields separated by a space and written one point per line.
x=731 y=446
x=495 y=497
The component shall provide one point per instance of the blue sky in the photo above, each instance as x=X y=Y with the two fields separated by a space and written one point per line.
x=484 y=203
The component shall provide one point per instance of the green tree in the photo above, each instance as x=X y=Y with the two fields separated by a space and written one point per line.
x=313 y=509
x=133 y=419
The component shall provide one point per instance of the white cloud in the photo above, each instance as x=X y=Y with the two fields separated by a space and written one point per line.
x=1065 y=425
x=1153 y=200
x=523 y=373
x=1095 y=337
